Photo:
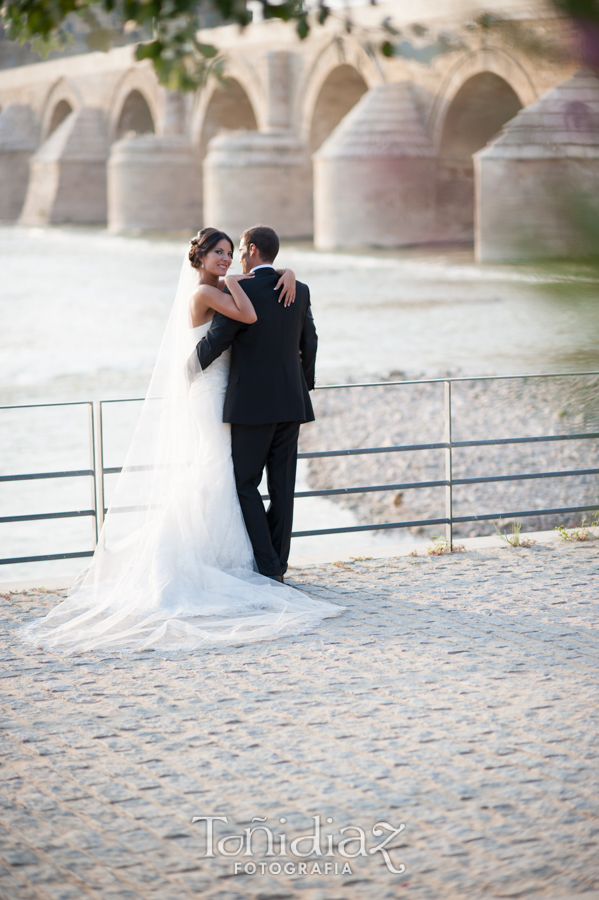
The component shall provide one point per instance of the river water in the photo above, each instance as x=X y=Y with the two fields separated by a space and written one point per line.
x=83 y=313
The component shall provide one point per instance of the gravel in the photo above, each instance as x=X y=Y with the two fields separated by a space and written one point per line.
x=361 y=417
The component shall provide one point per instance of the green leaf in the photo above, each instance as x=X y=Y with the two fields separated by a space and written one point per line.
x=207 y=50
x=152 y=50
x=303 y=29
x=323 y=13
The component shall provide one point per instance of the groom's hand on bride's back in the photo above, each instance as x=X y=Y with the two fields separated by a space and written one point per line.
x=192 y=367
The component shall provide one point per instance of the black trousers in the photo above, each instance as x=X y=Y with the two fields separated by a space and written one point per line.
x=273 y=446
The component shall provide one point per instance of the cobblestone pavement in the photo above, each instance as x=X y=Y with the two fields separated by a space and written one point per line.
x=458 y=695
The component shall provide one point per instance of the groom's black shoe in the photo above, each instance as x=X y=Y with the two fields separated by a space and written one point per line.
x=277 y=578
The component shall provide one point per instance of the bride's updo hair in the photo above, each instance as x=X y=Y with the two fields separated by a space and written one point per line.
x=205 y=241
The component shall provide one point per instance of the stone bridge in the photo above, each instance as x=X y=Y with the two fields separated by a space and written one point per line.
x=319 y=138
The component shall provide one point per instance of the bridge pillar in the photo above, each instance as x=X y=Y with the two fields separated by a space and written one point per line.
x=261 y=176
x=255 y=177
x=68 y=173
x=374 y=177
x=18 y=141
x=537 y=183
x=153 y=184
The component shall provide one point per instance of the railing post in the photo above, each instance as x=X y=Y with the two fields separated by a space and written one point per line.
x=99 y=466
x=448 y=473
x=92 y=455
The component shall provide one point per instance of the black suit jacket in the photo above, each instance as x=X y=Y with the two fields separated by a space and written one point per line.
x=272 y=360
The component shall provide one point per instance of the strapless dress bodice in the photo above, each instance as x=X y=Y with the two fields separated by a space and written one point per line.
x=216 y=376
x=200 y=330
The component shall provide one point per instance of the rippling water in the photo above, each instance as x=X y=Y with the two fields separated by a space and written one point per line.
x=83 y=313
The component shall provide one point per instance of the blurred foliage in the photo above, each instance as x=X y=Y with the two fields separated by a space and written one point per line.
x=167 y=30
x=580 y=9
x=170 y=28
x=416 y=43
x=526 y=37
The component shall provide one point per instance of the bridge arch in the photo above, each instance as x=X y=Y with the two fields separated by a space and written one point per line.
x=224 y=105
x=62 y=109
x=135 y=104
x=135 y=116
x=62 y=99
x=483 y=92
x=334 y=79
x=483 y=104
x=339 y=93
x=489 y=61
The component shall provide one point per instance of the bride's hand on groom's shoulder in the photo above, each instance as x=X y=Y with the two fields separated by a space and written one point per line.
x=287 y=283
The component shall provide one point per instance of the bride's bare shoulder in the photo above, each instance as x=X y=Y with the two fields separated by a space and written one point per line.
x=207 y=290
x=201 y=303
x=202 y=295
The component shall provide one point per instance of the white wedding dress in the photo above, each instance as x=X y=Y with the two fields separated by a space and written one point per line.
x=174 y=567
x=226 y=543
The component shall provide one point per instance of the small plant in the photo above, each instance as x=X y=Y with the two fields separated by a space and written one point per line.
x=342 y=565
x=441 y=545
x=360 y=558
x=584 y=533
x=514 y=539
x=413 y=553
x=574 y=534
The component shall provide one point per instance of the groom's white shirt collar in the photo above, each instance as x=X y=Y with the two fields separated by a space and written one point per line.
x=262 y=266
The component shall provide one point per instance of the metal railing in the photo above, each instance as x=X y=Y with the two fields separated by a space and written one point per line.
x=98 y=470
x=92 y=472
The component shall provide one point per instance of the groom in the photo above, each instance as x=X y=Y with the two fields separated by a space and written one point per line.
x=272 y=370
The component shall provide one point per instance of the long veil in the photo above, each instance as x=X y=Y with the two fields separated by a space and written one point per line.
x=173 y=570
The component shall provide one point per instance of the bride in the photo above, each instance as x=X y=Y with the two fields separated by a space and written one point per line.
x=174 y=568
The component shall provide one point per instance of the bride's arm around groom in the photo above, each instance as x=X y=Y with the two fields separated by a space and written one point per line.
x=273 y=359
x=224 y=330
